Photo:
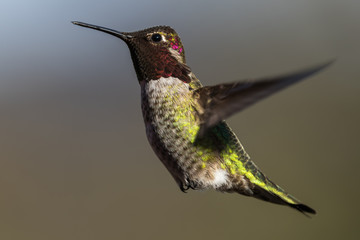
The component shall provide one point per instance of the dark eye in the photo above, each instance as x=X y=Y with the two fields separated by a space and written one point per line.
x=156 y=37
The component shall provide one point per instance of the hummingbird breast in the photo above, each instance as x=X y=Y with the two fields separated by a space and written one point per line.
x=170 y=116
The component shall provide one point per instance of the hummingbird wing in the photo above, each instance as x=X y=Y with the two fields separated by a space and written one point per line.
x=221 y=101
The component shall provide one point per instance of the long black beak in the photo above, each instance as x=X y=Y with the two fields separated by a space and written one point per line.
x=124 y=36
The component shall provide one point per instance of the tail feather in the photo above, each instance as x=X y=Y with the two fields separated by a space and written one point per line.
x=268 y=196
x=303 y=208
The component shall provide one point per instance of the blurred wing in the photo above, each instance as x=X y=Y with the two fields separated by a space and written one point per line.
x=221 y=101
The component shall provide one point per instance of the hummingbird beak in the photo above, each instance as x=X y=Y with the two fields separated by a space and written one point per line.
x=124 y=36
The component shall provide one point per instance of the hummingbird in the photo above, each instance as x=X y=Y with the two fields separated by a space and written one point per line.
x=185 y=121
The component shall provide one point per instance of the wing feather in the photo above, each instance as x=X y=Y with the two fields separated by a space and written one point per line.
x=221 y=101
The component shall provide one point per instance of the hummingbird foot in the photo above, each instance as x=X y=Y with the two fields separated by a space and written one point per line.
x=184 y=188
x=189 y=184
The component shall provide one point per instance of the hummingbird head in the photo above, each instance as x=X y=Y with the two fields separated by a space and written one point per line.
x=156 y=52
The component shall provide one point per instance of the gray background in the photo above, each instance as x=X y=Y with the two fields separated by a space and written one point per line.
x=74 y=159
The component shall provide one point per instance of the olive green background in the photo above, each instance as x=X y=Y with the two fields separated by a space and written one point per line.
x=74 y=159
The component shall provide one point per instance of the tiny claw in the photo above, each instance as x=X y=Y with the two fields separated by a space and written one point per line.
x=183 y=189
x=193 y=185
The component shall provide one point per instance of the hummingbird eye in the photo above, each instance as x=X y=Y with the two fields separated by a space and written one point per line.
x=156 y=37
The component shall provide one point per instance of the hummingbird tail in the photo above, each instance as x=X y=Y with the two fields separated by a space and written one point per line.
x=283 y=198
x=303 y=208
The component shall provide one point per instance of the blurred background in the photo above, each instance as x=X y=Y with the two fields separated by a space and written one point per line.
x=74 y=159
